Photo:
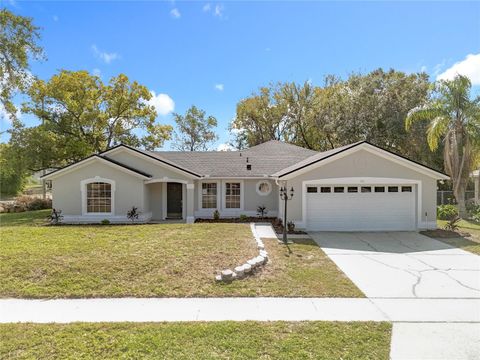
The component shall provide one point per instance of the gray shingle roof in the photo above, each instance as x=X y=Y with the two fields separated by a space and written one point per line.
x=265 y=159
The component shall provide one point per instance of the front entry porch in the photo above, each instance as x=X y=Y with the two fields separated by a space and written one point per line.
x=170 y=200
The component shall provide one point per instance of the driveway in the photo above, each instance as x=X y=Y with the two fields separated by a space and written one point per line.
x=403 y=264
x=428 y=289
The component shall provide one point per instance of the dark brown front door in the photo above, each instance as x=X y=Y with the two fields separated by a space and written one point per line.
x=174 y=201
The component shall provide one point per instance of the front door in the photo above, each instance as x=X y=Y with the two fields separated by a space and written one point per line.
x=174 y=201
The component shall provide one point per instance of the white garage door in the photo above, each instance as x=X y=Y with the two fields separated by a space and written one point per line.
x=360 y=207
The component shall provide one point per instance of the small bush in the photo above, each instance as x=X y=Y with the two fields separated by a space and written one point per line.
x=133 y=214
x=243 y=217
x=39 y=204
x=474 y=212
x=105 y=222
x=30 y=203
x=216 y=215
x=262 y=210
x=452 y=224
x=55 y=217
x=290 y=226
x=447 y=212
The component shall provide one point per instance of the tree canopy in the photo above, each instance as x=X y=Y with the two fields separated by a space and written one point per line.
x=195 y=130
x=370 y=107
x=454 y=119
x=81 y=115
x=19 y=39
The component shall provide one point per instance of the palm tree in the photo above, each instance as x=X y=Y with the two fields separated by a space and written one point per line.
x=454 y=119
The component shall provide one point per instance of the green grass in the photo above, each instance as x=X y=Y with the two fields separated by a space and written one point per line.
x=161 y=260
x=220 y=340
x=469 y=239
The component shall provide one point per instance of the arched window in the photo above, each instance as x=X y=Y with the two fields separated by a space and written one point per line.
x=98 y=196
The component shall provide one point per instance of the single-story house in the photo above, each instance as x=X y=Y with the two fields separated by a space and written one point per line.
x=358 y=187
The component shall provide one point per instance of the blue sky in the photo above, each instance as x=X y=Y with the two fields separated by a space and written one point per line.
x=212 y=54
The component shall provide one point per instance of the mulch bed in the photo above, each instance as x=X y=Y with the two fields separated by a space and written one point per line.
x=276 y=226
x=444 y=234
x=238 y=220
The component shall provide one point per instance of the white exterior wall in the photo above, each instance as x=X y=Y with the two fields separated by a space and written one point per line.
x=67 y=193
x=365 y=164
x=250 y=198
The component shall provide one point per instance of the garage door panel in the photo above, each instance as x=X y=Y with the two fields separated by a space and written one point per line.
x=360 y=211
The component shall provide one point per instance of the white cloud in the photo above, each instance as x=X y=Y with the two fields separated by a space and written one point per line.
x=163 y=103
x=219 y=87
x=97 y=72
x=207 y=7
x=423 y=68
x=218 y=11
x=437 y=68
x=225 y=147
x=175 y=13
x=469 y=67
x=55 y=18
x=106 y=57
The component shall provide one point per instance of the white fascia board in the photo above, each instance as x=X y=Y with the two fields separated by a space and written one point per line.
x=87 y=161
x=152 y=159
x=376 y=151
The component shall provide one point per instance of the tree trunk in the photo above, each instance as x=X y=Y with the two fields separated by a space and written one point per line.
x=460 y=197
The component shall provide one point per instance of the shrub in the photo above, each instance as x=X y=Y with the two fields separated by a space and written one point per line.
x=290 y=226
x=105 y=222
x=243 y=217
x=447 y=212
x=55 y=217
x=474 y=212
x=216 y=215
x=133 y=214
x=452 y=224
x=262 y=210
x=39 y=204
x=30 y=203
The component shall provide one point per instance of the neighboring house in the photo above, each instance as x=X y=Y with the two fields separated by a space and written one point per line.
x=353 y=188
x=476 y=181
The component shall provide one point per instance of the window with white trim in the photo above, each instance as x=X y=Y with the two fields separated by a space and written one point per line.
x=209 y=195
x=99 y=197
x=232 y=195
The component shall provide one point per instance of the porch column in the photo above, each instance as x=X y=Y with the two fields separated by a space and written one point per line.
x=190 y=203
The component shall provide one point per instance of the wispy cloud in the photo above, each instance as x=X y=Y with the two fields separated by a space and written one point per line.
x=163 y=103
x=217 y=10
x=470 y=67
x=219 y=87
x=55 y=18
x=438 y=67
x=175 y=13
x=97 y=72
x=225 y=147
x=106 y=57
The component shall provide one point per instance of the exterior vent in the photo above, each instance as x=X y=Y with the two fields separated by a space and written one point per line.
x=249 y=166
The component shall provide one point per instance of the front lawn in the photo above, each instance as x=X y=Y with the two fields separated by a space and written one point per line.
x=220 y=340
x=160 y=260
x=468 y=238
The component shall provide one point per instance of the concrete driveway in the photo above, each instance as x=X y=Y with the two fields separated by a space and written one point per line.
x=430 y=290
x=403 y=264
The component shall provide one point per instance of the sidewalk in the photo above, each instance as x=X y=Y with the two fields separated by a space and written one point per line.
x=239 y=309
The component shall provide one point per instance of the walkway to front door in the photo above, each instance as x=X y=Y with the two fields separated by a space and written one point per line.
x=174 y=200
